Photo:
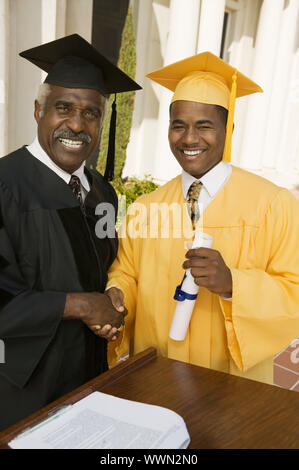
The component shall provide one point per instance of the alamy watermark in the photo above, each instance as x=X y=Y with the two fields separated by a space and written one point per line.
x=156 y=220
x=2 y=352
x=294 y=356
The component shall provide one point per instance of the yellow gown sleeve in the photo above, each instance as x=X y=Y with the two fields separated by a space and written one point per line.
x=123 y=274
x=263 y=317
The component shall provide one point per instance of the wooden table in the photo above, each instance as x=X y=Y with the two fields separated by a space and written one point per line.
x=221 y=411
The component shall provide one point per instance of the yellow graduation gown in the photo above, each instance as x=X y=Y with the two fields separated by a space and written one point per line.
x=255 y=227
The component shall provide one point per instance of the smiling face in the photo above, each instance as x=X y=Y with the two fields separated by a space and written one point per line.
x=69 y=125
x=196 y=136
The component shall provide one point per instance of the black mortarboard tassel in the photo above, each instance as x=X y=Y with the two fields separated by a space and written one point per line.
x=109 y=171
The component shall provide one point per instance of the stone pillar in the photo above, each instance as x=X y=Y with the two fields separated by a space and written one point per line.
x=48 y=23
x=53 y=19
x=210 y=26
x=181 y=43
x=60 y=18
x=296 y=112
x=48 y=20
x=4 y=57
x=241 y=52
x=139 y=152
x=24 y=77
x=267 y=42
x=274 y=154
x=79 y=18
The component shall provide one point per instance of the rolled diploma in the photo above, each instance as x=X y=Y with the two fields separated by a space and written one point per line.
x=184 y=309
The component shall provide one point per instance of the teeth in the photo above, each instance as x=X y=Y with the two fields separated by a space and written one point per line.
x=74 y=144
x=192 y=152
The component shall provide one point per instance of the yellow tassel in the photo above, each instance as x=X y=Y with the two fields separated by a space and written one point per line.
x=230 y=120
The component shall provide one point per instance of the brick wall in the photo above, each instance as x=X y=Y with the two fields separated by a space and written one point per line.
x=286 y=367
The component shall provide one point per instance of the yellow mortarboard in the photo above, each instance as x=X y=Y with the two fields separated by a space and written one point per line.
x=204 y=78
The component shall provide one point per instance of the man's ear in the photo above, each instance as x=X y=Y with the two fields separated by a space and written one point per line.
x=36 y=111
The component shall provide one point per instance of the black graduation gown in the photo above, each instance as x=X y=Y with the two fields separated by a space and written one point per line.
x=48 y=247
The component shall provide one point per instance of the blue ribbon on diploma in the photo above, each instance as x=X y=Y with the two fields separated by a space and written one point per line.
x=181 y=295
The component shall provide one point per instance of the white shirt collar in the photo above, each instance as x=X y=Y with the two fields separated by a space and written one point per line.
x=38 y=152
x=212 y=181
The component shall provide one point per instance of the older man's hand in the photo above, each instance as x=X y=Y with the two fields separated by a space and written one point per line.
x=117 y=298
x=96 y=311
x=209 y=270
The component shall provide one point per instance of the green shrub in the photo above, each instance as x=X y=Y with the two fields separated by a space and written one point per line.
x=128 y=190
x=132 y=188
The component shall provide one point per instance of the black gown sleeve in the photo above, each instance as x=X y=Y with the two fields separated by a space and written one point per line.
x=28 y=318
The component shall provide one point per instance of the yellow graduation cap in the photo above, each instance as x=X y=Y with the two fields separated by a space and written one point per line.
x=204 y=78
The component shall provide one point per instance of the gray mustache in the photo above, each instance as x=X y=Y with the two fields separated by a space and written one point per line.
x=68 y=134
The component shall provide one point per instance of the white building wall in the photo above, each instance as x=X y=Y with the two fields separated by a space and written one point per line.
x=151 y=36
x=79 y=18
x=262 y=42
x=181 y=43
x=25 y=24
x=270 y=123
x=239 y=50
x=25 y=32
x=210 y=26
x=267 y=43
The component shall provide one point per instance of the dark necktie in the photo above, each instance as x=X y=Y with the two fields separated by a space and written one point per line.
x=75 y=186
x=192 y=201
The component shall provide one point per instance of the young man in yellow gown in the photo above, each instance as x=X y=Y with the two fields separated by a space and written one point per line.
x=247 y=308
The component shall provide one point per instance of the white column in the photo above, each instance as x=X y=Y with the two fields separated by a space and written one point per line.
x=181 y=43
x=48 y=20
x=24 y=77
x=296 y=113
x=144 y=103
x=210 y=26
x=276 y=130
x=263 y=71
x=53 y=19
x=79 y=18
x=288 y=148
x=60 y=18
x=241 y=52
x=48 y=23
x=4 y=22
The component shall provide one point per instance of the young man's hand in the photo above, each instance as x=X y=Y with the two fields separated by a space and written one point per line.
x=209 y=270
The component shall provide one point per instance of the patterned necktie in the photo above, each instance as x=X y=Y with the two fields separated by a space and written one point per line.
x=75 y=186
x=192 y=202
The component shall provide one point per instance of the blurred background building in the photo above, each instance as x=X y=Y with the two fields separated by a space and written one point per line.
x=259 y=37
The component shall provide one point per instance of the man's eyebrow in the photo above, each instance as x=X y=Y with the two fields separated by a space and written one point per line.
x=63 y=102
x=69 y=103
x=200 y=121
x=94 y=108
x=177 y=121
x=204 y=121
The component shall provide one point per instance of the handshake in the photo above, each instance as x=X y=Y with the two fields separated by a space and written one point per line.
x=103 y=313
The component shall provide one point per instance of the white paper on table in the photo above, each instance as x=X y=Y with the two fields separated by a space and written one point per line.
x=184 y=309
x=101 y=421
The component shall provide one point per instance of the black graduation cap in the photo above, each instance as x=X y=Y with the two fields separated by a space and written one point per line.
x=72 y=62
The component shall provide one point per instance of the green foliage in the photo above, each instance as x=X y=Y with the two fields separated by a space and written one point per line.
x=132 y=188
x=128 y=190
x=124 y=103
